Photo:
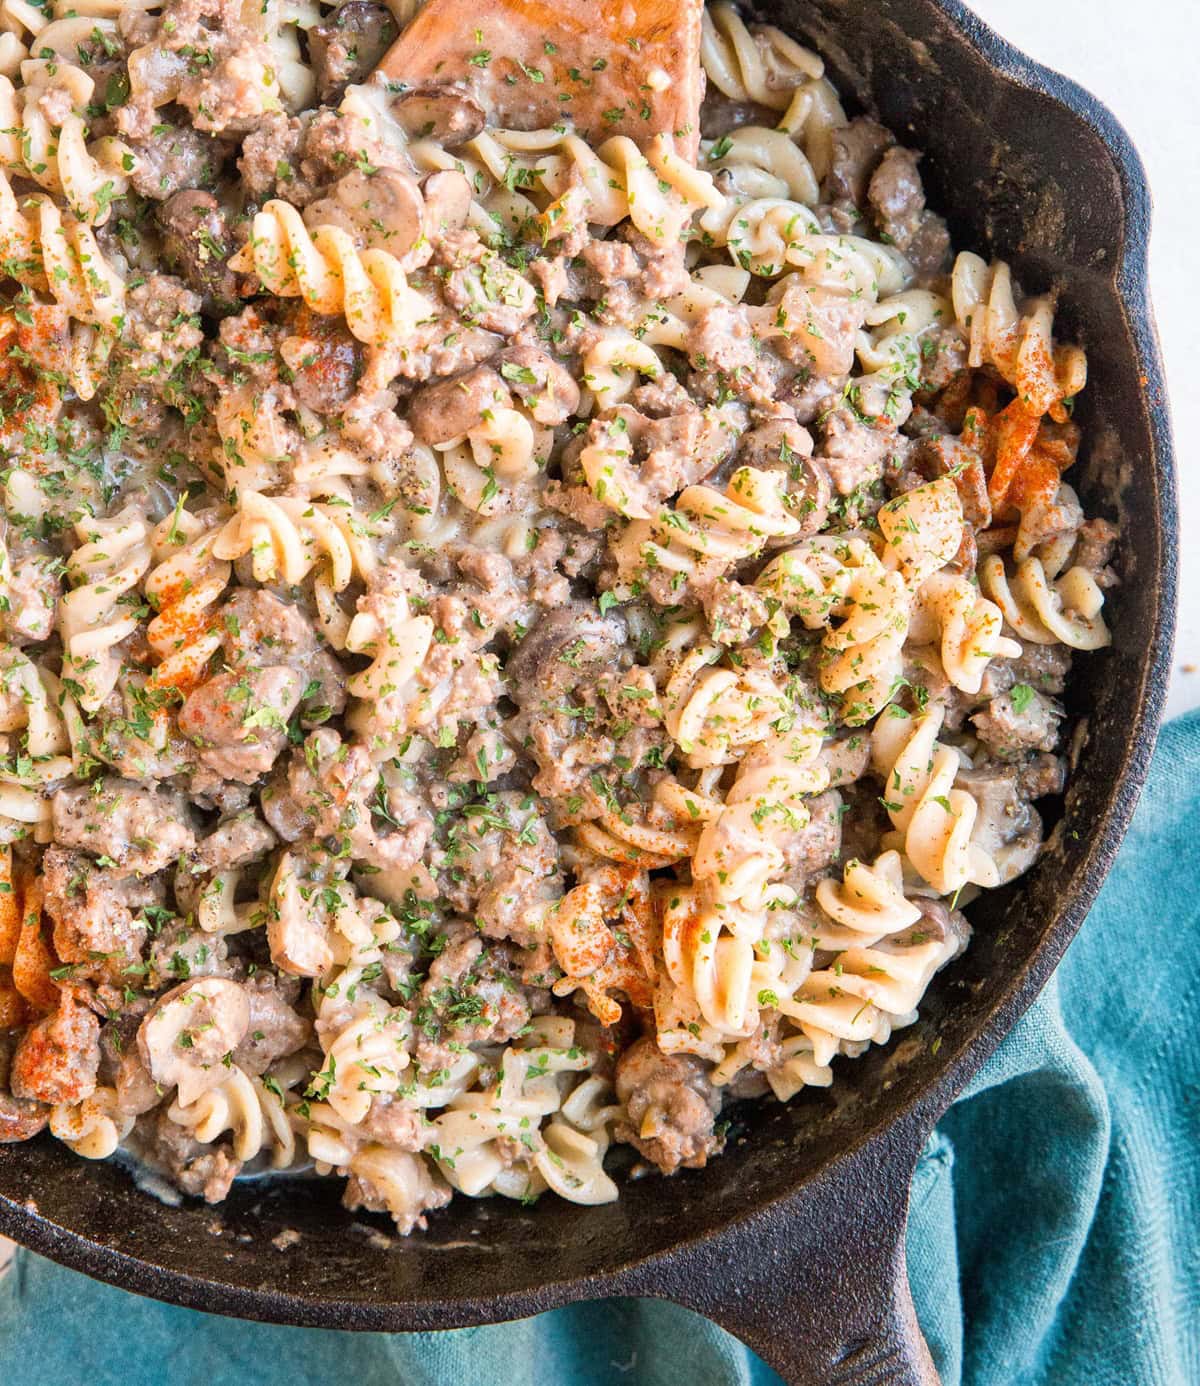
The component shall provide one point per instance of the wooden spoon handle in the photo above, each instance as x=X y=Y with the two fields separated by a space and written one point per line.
x=616 y=67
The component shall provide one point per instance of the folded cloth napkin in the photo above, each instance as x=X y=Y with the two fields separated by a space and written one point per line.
x=1054 y=1236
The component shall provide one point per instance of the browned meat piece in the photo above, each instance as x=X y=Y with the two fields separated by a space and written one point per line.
x=817 y=326
x=258 y=630
x=682 y=449
x=721 y=116
x=203 y=1171
x=469 y=997
x=162 y=329
x=424 y=1191
x=239 y=721
x=808 y=851
x=670 y=1107
x=1018 y=721
x=854 y=452
x=182 y=951
x=348 y=45
x=500 y=858
x=270 y=157
x=1042 y=667
x=197 y=242
x=275 y=1030
x=620 y=279
x=31 y=595
x=857 y=150
x=943 y=358
x=300 y=157
x=96 y=930
x=663 y=271
x=57 y=1058
x=548 y=389
x=332 y=790
x=810 y=397
x=174 y=157
x=484 y=288
x=133 y=830
x=237 y=841
x=897 y=200
x=20 y=1120
x=1043 y=775
x=395 y=1124
x=733 y=612
x=1094 y=550
x=231 y=93
x=447 y=410
x=946 y=455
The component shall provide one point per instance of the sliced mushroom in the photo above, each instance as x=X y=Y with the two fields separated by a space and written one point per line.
x=387 y=204
x=439 y=111
x=565 y=649
x=185 y=1039
x=295 y=933
x=383 y=209
x=445 y=411
x=349 y=43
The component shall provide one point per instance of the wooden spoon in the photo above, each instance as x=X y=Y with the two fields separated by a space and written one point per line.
x=608 y=67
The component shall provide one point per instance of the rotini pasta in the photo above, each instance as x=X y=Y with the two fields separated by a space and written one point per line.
x=59 y=158
x=325 y=269
x=933 y=819
x=579 y=544
x=99 y=612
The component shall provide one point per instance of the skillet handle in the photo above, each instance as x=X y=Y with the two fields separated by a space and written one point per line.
x=817 y=1284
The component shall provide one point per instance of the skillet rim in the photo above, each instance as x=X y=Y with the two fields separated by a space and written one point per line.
x=905 y=1124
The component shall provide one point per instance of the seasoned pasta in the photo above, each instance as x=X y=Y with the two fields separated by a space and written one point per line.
x=509 y=645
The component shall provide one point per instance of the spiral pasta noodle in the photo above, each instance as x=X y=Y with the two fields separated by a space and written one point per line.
x=712 y=713
x=966 y=626
x=63 y=259
x=110 y=561
x=738 y=857
x=184 y=586
x=94 y=1127
x=933 y=819
x=706 y=531
x=60 y=159
x=248 y=1110
x=325 y=269
x=764 y=66
x=657 y=190
x=1046 y=608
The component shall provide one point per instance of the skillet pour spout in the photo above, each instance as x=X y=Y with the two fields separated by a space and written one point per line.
x=794 y=1238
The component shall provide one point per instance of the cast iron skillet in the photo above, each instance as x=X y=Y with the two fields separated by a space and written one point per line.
x=794 y=1239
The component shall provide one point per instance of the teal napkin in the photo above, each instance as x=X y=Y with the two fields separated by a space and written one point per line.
x=1054 y=1237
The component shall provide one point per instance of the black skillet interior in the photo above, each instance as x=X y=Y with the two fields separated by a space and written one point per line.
x=1025 y=165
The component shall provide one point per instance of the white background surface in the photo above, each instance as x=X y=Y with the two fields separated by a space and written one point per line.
x=1137 y=58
